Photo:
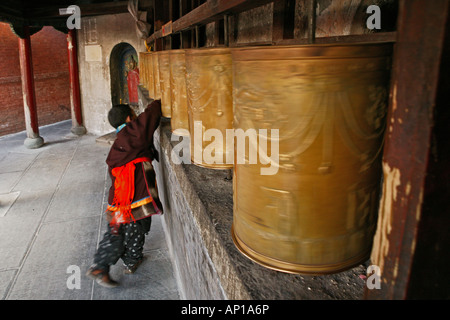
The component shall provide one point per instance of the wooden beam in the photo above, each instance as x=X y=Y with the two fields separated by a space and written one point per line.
x=93 y=9
x=431 y=258
x=404 y=251
x=312 y=4
x=278 y=21
x=11 y=8
x=210 y=11
x=370 y=37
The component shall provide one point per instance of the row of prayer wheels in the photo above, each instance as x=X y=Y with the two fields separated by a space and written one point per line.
x=306 y=125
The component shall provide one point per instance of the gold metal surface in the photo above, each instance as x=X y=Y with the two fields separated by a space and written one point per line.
x=164 y=80
x=146 y=72
x=156 y=84
x=210 y=101
x=179 y=120
x=142 y=68
x=317 y=214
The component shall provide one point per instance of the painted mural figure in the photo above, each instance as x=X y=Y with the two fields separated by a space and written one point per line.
x=132 y=76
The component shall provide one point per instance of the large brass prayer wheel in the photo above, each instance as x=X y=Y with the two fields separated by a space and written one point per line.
x=179 y=120
x=146 y=72
x=313 y=211
x=164 y=80
x=156 y=83
x=142 y=65
x=210 y=106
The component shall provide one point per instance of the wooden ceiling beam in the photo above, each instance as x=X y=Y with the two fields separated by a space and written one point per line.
x=93 y=9
x=210 y=11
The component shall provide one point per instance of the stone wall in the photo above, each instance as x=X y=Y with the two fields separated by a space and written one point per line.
x=185 y=226
x=96 y=39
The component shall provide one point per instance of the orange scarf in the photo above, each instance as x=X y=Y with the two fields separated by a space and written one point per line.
x=124 y=190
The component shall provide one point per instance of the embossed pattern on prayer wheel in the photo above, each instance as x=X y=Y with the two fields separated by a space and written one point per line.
x=164 y=80
x=142 y=68
x=156 y=83
x=210 y=106
x=179 y=120
x=146 y=72
x=315 y=212
x=149 y=74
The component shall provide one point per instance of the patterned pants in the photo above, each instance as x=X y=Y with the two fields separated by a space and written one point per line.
x=127 y=244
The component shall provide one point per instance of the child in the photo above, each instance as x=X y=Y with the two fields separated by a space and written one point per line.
x=133 y=197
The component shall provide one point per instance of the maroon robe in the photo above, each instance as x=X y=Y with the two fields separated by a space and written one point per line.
x=135 y=140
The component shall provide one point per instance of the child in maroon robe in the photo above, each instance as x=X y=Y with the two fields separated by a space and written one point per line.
x=133 y=197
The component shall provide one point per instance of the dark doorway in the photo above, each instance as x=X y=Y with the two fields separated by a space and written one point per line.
x=124 y=74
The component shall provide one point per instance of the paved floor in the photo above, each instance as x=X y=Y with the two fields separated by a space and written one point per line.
x=52 y=201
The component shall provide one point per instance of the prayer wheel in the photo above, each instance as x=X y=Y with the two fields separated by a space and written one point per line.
x=210 y=106
x=146 y=72
x=156 y=83
x=179 y=120
x=150 y=84
x=164 y=80
x=142 y=68
x=321 y=112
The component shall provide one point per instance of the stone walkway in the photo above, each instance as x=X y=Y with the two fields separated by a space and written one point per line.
x=52 y=201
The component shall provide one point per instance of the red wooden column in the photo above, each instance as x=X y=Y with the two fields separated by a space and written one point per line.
x=413 y=239
x=33 y=139
x=75 y=100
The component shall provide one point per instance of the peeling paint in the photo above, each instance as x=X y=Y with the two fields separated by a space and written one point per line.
x=26 y=108
x=408 y=188
x=394 y=97
x=69 y=41
x=392 y=181
x=419 y=206
x=413 y=246
x=395 y=271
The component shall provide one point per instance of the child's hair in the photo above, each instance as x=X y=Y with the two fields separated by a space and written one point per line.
x=118 y=114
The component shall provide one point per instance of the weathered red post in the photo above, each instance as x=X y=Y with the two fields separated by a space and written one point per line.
x=33 y=139
x=75 y=101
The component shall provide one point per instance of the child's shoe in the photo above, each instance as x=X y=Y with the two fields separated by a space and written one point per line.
x=101 y=277
x=130 y=269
